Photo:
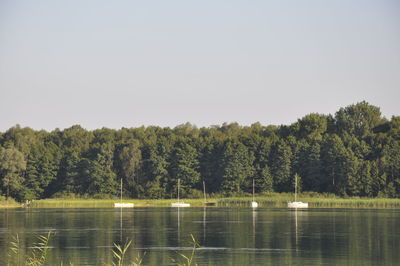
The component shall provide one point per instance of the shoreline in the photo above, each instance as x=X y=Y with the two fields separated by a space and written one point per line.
x=279 y=201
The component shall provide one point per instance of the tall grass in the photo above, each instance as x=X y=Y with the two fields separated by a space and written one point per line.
x=278 y=200
x=314 y=200
x=38 y=255
x=119 y=255
x=108 y=203
x=188 y=260
x=8 y=203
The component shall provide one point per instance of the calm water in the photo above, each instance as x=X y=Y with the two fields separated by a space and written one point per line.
x=228 y=236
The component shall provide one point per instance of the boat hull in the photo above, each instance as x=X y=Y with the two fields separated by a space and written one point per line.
x=180 y=204
x=123 y=205
x=298 y=204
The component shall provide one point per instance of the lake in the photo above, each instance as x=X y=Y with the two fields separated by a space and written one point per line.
x=227 y=236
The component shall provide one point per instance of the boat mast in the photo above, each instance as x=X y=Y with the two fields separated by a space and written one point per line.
x=178 y=187
x=295 y=187
x=253 y=189
x=121 y=191
x=204 y=189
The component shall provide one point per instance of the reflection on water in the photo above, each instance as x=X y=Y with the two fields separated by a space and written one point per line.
x=234 y=236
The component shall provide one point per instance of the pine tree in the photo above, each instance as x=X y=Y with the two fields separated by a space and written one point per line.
x=237 y=166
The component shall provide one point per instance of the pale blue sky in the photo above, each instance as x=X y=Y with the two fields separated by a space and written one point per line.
x=132 y=63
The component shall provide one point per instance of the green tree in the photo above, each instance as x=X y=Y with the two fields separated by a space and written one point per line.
x=128 y=160
x=365 y=179
x=75 y=139
x=74 y=143
x=42 y=168
x=185 y=166
x=260 y=147
x=355 y=152
x=12 y=166
x=68 y=174
x=391 y=164
x=210 y=162
x=281 y=160
x=156 y=154
x=312 y=126
x=265 y=182
x=394 y=125
x=23 y=139
x=96 y=173
x=358 y=119
x=237 y=166
x=307 y=163
x=340 y=167
x=378 y=178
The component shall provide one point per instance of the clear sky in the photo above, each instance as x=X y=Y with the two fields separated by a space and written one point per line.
x=131 y=63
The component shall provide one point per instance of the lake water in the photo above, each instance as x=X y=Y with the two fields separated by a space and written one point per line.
x=227 y=236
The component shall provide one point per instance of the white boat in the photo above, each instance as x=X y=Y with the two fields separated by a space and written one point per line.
x=179 y=204
x=123 y=205
x=254 y=204
x=297 y=204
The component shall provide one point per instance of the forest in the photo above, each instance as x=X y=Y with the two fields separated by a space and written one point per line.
x=355 y=152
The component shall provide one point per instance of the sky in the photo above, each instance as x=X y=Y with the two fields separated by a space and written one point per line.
x=117 y=64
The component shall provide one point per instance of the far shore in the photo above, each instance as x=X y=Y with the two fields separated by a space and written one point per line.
x=274 y=200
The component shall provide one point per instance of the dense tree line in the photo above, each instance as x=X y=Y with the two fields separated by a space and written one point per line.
x=355 y=152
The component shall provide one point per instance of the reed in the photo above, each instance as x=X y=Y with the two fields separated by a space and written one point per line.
x=119 y=255
x=188 y=260
x=107 y=203
x=38 y=255
x=273 y=200
x=314 y=201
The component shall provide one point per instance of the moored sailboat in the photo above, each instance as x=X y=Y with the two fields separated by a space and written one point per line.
x=179 y=204
x=123 y=205
x=254 y=204
x=295 y=203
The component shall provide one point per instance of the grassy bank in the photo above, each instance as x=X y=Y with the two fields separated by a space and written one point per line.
x=281 y=201
x=108 y=203
x=10 y=203
x=274 y=200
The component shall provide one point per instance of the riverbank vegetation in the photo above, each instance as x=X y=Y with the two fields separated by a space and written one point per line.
x=355 y=152
x=269 y=200
x=8 y=203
